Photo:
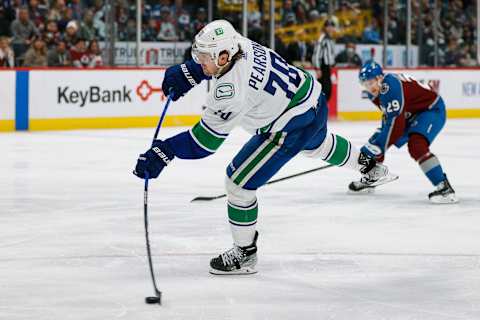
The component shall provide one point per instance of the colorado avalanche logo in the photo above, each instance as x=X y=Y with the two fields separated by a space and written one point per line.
x=384 y=89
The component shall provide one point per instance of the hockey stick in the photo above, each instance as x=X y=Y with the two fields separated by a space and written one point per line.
x=201 y=198
x=158 y=293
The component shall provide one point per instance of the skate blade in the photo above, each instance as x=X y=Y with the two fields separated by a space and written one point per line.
x=387 y=179
x=449 y=199
x=365 y=190
x=241 y=271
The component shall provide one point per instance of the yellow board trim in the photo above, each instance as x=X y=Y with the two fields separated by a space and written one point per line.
x=377 y=115
x=111 y=123
x=7 y=125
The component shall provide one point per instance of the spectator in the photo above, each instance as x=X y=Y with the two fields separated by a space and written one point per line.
x=183 y=22
x=36 y=56
x=59 y=56
x=128 y=32
x=4 y=22
x=453 y=53
x=71 y=34
x=348 y=57
x=67 y=16
x=23 y=32
x=87 y=29
x=7 y=58
x=56 y=10
x=77 y=9
x=287 y=11
x=79 y=54
x=95 y=54
x=149 y=32
x=200 y=21
x=371 y=34
x=51 y=36
x=37 y=12
x=167 y=29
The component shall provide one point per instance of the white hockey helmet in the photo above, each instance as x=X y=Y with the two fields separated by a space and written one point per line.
x=216 y=37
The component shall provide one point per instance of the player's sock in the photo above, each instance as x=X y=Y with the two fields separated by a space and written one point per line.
x=243 y=220
x=338 y=151
x=237 y=260
x=432 y=168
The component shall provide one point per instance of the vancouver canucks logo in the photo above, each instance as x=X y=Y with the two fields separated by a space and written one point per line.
x=219 y=31
x=384 y=89
x=224 y=91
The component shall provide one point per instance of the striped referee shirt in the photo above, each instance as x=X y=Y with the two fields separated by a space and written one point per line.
x=324 y=52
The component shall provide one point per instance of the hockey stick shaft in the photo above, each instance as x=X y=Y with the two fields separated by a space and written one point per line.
x=201 y=198
x=158 y=293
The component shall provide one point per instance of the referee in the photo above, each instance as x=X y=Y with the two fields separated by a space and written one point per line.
x=323 y=58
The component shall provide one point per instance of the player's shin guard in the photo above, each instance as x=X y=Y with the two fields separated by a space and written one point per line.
x=242 y=212
x=338 y=151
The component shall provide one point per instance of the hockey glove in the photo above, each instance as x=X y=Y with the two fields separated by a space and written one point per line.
x=154 y=160
x=180 y=78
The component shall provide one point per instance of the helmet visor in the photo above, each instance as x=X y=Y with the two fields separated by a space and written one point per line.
x=199 y=56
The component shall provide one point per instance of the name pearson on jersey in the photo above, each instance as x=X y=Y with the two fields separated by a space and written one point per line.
x=259 y=65
x=93 y=94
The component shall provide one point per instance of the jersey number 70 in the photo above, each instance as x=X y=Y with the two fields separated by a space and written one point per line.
x=284 y=72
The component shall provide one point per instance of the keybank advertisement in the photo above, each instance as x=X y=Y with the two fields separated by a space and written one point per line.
x=460 y=89
x=107 y=93
x=7 y=102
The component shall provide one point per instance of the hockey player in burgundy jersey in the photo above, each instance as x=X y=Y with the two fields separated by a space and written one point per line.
x=413 y=114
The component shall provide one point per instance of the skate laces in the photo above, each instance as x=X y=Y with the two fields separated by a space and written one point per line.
x=229 y=256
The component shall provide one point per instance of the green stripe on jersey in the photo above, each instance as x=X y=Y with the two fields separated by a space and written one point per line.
x=206 y=138
x=250 y=166
x=302 y=92
x=242 y=215
x=340 y=154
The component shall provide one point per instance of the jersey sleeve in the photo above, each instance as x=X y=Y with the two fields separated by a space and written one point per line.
x=224 y=110
x=393 y=121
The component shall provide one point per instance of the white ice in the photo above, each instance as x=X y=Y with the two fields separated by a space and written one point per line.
x=72 y=239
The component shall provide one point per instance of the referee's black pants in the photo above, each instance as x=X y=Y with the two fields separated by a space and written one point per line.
x=326 y=81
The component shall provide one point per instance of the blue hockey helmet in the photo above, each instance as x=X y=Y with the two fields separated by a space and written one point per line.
x=370 y=70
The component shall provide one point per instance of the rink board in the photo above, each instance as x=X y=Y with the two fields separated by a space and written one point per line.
x=67 y=99
x=459 y=88
x=63 y=99
x=7 y=102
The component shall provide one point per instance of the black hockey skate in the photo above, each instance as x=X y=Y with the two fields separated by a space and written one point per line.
x=237 y=260
x=373 y=174
x=444 y=193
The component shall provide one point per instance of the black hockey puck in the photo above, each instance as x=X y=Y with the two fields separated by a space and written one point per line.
x=152 y=300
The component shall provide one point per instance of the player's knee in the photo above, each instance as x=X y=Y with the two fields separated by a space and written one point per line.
x=237 y=194
x=417 y=146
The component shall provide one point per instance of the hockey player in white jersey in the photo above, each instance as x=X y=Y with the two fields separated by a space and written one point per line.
x=280 y=105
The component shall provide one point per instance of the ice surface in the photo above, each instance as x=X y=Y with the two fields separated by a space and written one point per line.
x=72 y=239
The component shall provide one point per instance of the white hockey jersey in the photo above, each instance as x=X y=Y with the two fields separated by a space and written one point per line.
x=260 y=93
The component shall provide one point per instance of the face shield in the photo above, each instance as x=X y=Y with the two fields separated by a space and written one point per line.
x=201 y=57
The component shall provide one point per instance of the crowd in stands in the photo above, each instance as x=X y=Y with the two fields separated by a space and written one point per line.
x=69 y=32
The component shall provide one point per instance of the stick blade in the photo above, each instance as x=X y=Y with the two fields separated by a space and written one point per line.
x=196 y=199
